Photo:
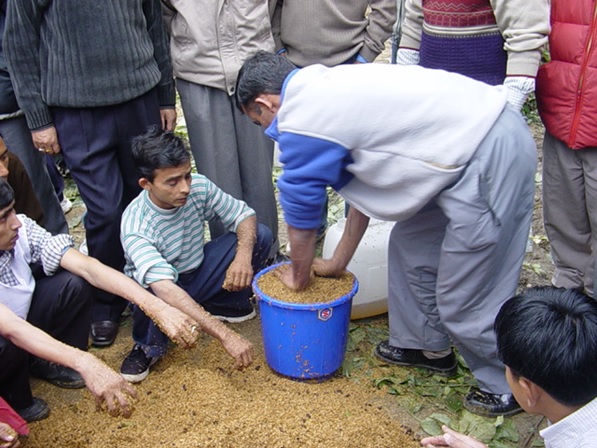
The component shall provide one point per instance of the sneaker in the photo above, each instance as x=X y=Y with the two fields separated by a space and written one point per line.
x=37 y=411
x=66 y=205
x=57 y=374
x=234 y=316
x=491 y=405
x=83 y=247
x=135 y=366
x=415 y=358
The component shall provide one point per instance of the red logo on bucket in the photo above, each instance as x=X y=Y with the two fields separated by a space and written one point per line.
x=325 y=314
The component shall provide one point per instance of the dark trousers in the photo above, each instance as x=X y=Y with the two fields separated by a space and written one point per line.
x=17 y=138
x=96 y=146
x=204 y=285
x=61 y=307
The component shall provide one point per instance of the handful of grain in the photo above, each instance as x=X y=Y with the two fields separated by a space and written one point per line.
x=319 y=290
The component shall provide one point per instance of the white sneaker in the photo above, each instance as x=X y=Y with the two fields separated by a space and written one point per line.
x=66 y=205
x=83 y=247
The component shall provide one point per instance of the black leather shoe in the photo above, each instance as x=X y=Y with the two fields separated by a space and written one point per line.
x=56 y=374
x=491 y=405
x=37 y=411
x=103 y=333
x=415 y=358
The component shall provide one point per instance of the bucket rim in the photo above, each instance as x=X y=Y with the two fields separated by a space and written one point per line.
x=300 y=306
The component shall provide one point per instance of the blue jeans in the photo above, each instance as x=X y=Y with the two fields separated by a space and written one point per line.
x=204 y=285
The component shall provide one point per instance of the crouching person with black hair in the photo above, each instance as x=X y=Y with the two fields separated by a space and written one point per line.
x=162 y=233
x=547 y=338
x=46 y=287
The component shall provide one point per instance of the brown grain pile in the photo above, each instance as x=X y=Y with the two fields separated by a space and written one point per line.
x=320 y=289
x=192 y=398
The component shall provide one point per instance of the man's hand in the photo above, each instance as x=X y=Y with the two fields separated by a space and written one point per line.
x=287 y=276
x=327 y=268
x=46 y=140
x=8 y=436
x=175 y=324
x=239 y=348
x=111 y=390
x=168 y=117
x=453 y=439
x=238 y=275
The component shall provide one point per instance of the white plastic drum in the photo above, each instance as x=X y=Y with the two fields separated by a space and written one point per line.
x=369 y=264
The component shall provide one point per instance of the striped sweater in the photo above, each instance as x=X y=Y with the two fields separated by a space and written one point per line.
x=159 y=244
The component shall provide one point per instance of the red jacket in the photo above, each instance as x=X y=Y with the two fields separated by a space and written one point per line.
x=567 y=86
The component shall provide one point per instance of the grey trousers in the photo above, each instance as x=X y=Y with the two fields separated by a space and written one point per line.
x=570 y=212
x=453 y=264
x=231 y=151
x=17 y=138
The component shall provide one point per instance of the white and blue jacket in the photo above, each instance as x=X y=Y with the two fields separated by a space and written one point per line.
x=388 y=138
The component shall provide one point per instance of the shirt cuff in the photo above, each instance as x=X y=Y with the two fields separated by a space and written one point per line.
x=361 y=59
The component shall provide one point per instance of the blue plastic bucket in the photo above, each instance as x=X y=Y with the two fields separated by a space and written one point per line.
x=304 y=341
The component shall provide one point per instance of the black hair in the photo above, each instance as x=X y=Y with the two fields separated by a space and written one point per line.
x=262 y=73
x=158 y=149
x=7 y=194
x=549 y=336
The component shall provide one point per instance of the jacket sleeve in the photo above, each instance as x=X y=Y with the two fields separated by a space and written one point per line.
x=275 y=13
x=524 y=25
x=161 y=45
x=21 y=43
x=412 y=26
x=310 y=165
x=381 y=20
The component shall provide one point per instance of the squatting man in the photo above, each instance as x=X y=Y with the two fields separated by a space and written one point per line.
x=163 y=236
x=46 y=290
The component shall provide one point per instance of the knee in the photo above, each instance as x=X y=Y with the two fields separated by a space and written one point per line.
x=79 y=291
x=264 y=239
x=12 y=358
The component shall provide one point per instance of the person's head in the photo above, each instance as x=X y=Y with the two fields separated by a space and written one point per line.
x=9 y=223
x=548 y=336
x=259 y=85
x=3 y=160
x=164 y=166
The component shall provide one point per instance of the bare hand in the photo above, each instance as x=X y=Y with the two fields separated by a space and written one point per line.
x=238 y=275
x=8 y=436
x=111 y=390
x=286 y=275
x=179 y=327
x=46 y=140
x=326 y=268
x=168 y=117
x=453 y=439
x=240 y=349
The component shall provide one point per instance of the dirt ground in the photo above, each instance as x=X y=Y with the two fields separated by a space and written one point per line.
x=194 y=399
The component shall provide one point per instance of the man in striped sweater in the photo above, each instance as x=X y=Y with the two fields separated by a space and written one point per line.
x=162 y=233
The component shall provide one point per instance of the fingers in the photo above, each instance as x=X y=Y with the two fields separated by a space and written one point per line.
x=190 y=339
x=433 y=442
x=237 y=280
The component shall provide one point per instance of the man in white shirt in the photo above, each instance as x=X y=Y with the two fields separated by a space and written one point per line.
x=45 y=304
x=547 y=338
